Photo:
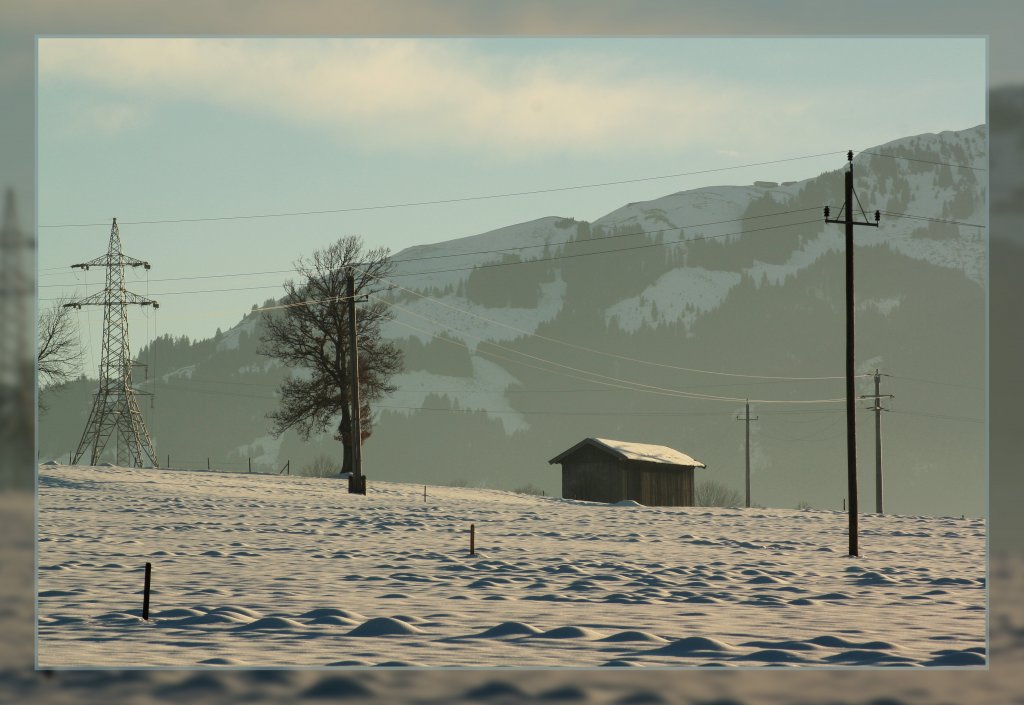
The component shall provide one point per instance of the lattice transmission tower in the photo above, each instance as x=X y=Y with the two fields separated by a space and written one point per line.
x=115 y=411
x=17 y=351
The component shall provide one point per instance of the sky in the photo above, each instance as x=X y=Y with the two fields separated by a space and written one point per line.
x=160 y=129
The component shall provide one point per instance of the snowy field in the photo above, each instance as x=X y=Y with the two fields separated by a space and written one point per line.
x=263 y=570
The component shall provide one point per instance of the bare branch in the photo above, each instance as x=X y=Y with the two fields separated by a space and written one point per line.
x=311 y=335
x=60 y=352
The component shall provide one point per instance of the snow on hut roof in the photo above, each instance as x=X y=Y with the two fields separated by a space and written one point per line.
x=636 y=451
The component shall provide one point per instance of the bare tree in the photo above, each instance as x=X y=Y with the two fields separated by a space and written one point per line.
x=60 y=352
x=710 y=493
x=309 y=331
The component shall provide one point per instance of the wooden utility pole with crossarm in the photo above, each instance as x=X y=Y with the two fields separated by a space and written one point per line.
x=851 y=396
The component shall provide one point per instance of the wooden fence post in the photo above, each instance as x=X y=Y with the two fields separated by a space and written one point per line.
x=145 y=593
x=472 y=539
x=250 y=464
x=424 y=493
x=207 y=462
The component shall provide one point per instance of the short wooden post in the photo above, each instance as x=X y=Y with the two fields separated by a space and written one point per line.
x=145 y=593
x=207 y=462
x=288 y=467
x=472 y=539
x=71 y=455
x=250 y=464
x=168 y=460
x=424 y=493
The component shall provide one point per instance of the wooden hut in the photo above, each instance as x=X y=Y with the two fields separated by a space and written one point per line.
x=603 y=470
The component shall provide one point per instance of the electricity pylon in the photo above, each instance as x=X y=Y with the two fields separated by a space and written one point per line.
x=17 y=350
x=115 y=408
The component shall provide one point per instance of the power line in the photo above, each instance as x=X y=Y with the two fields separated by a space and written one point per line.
x=201 y=276
x=448 y=200
x=923 y=161
x=608 y=252
x=653 y=388
x=562 y=243
x=932 y=381
x=524 y=247
x=499 y=195
x=787 y=412
x=489 y=411
x=889 y=236
x=622 y=249
x=938 y=416
x=610 y=237
x=528 y=247
x=481 y=391
x=598 y=352
x=503 y=264
x=932 y=220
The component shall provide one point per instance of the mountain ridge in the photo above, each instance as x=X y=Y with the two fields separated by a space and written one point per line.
x=668 y=284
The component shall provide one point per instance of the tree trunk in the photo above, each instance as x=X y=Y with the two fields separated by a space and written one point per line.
x=345 y=432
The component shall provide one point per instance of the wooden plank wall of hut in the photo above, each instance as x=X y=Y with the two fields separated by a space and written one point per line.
x=654 y=485
x=593 y=476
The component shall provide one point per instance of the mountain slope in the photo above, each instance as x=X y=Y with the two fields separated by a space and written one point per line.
x=523 y=340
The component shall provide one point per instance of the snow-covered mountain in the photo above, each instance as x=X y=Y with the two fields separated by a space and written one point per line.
x=739 y=250
x=560 y=320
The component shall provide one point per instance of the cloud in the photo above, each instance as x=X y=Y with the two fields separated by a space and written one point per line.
x=404 y=93
x=105 y=119
x=512 y=98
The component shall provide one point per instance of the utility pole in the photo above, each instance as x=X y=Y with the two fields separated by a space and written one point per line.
x=851 y=410
x=357 y=481
x=877 y=408
x=115 y=411
x=746 y=417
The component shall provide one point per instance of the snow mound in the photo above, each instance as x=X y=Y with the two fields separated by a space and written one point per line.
x=694 y=645
x=384 y=626
x=570 y=632
x=275 y=623
x=634 y=635
x=508 y=629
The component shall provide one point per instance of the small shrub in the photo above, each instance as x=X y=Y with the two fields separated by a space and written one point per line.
x=322 y=466
x=529 y=488
x=714 y=494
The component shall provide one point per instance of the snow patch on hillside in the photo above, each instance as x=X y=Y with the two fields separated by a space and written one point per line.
x=482 y=391
x=259 y=367
x=180 y=373
x=702 y=207
x=808 y=254
x=679 y=295
x=231 y=338
x=457 y=317
x=418 y=266
x=965 y=253
x=264 y=450
x=883 y=306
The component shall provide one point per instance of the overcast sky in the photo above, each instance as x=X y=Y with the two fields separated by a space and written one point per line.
x=177 y=129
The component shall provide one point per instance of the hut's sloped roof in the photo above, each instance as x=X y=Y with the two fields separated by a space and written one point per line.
x=635 y=451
